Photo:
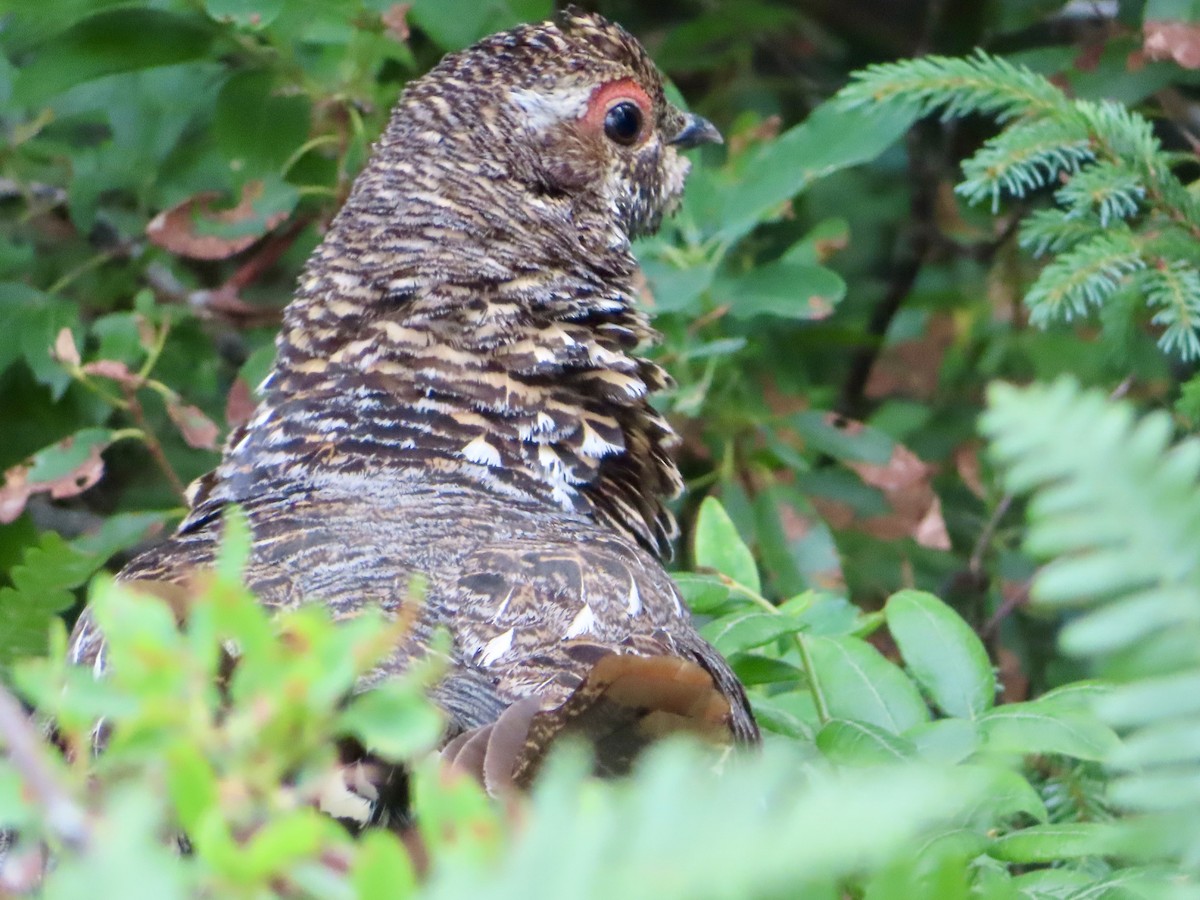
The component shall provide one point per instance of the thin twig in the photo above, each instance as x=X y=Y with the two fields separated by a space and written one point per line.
x=150 y=439
x=27 y=753
x=975 y=564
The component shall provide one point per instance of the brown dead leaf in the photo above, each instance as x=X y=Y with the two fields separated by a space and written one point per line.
x=65 y=350
x=198 y=430
x=115 y=370
x=931 y=530
x=911 y=368
x=966 y=464
x=239 y=405
x=174 y=229
x=916 y=511
x=17 y=488
x=1179 y=41
x=395 y=21
x=14 y=493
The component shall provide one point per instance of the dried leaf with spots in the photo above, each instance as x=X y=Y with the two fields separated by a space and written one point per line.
x=198 y=430
x=1178 y=41
x=181 y=229
x=915 y=510
x=62 y=470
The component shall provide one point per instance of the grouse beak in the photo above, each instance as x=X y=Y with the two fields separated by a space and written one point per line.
x=696 y=131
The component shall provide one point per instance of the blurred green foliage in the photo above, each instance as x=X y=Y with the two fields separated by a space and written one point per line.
x=842 y=285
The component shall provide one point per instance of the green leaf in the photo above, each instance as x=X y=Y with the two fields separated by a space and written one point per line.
x=705 y=594
x=393 y=720
x=789 y=290
x=1038 y=727
x=192 y=784
x=257 y=129
x=1054 y=843
x=381 y=868
x=824 y=432
x=747 y=629
x=717 y=545
x=945 y=740
x=943 y=653
x=831 y=138
x=858 y=683
x=117 y=40
x=67 y=457
x=860 y=743
x=454 y=24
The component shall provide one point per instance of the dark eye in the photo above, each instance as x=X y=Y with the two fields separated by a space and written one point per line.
x=623 y=122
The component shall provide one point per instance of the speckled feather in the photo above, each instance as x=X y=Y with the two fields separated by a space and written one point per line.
x=458 y=393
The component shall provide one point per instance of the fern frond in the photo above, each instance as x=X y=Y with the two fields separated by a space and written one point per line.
x=956 y=86
x=1175 y=289
x=1084 y=276
x=1117 y=509
x=1109 y=190
x=1022 y=159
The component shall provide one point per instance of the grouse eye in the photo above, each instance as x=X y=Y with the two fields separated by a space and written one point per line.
x=623 y=122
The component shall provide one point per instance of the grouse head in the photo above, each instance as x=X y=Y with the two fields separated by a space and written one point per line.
x=572 y=108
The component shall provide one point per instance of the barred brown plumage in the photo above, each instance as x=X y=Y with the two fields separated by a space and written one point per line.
x=457 y=394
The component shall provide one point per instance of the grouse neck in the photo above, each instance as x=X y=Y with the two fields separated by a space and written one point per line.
x=489 y=343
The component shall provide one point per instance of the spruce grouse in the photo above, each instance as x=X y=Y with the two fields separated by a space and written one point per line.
x=457 y=394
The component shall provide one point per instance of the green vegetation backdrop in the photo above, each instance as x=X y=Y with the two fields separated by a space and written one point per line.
x=933 y=312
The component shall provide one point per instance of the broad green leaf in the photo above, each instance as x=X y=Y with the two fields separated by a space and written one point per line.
x=748 y=628
x=943 y=653
x=675 y=288
x=1053 y=843
x=824 y=433
x=792 y=714
x=117 y=40
x=945 y=740
x=788 y=290
x=382 y=869
x=30 y=321
x=1011 y=795
x=258 y=129
x=822 y=241
x=860 y=743
x=757 y=668
x=858 y=683
x=68 y=457
x=454 y=24
x=831 y=138
x=705 y=594
x=191 y=783
x=1037 y=727
x=392 y=720
x=716 y=544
